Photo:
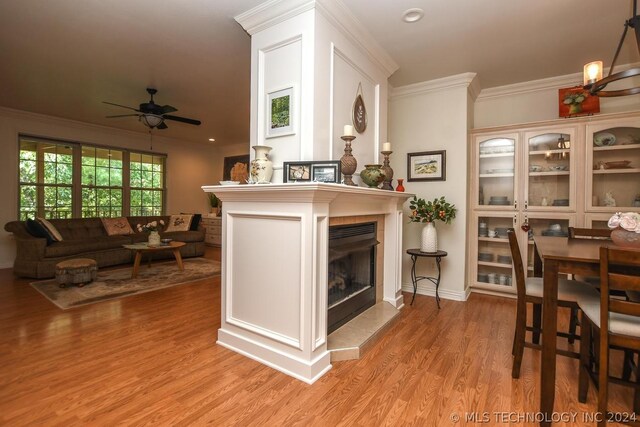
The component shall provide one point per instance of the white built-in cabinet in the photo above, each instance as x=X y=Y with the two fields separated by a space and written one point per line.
x=549 y=176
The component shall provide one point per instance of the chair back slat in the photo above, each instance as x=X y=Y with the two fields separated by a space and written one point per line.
x=517 y=264
x=624 y=307
x=586 y=233
x=619 y=270
x=623 y=282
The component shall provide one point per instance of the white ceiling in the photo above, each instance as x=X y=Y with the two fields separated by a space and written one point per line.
x=63 y=57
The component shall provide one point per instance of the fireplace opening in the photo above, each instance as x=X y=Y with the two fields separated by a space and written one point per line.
x=352 y=271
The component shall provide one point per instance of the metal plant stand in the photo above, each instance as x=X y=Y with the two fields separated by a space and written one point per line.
x=415 y=254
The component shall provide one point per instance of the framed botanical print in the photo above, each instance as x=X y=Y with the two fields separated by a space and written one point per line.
x=280 y=105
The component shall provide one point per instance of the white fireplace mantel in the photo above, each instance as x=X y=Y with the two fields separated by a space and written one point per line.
x=274 y=267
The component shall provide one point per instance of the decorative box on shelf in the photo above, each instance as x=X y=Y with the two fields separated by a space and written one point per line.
x=212 y=230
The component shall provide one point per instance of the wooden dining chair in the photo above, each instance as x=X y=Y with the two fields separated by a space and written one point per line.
x=529 y=290
x=616 y=324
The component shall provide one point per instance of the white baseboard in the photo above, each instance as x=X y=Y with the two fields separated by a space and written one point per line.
x=430 y=290
x=306 y=371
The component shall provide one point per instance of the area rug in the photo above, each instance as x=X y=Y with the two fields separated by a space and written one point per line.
x=111 y=284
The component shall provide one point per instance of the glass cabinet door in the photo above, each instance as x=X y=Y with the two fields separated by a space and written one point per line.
x=549 y=166
x=615 y=162
x=556 y=225
x=494 y=265
x=496 y=171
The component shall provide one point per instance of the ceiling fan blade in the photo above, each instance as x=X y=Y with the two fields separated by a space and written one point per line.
x=118 y=105
x=122 y=115
x=182 y=119
x=167 y=109
x=162 y=125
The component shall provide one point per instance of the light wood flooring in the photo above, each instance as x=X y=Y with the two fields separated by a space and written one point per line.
x=152 y=359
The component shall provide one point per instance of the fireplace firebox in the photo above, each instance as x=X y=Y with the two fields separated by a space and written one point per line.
x=352 y=271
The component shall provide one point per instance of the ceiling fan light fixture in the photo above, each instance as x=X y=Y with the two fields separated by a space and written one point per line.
x=592 y=72
x=151 y=120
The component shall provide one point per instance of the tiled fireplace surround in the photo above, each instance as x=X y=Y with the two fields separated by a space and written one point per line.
x=274 y=267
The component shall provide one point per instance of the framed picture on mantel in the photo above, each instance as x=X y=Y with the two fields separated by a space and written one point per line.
x=427 y=166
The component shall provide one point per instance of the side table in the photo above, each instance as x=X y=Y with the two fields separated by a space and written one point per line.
x=415 y=254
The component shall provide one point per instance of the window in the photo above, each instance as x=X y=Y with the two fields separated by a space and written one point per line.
x=46 y=179
x=147 y=184
x=101 y=182
x=64 y=180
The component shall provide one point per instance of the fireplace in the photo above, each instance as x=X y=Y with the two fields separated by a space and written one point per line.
x=351 y=272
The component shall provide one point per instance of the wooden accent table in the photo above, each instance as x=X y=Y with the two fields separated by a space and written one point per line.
x=144 y=248
x=559 y=255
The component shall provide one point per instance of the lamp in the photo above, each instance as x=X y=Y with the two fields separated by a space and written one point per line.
x=593 y=80
x=151 y=120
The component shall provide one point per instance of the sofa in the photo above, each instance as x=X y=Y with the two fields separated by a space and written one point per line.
x=87 y=238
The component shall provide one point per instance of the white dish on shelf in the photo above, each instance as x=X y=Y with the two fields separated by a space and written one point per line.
x=535 y=168
x=604 y=139
x=229 y=182
x=490 y=171
x=558 y=168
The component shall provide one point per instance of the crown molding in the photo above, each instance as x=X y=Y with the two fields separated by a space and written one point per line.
x=336 y=12
x=271 y=13
x=557 y=82
x=76 y=124
x=467 y=80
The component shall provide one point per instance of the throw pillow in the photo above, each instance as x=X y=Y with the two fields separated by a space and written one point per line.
x=179 y=223
x=51 y=229
x=117 y=226
x=195 y=221
x=37 y=230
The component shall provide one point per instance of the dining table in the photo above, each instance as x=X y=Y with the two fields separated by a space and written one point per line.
x=558 y=255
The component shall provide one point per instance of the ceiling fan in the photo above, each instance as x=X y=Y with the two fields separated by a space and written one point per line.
x=153 y=115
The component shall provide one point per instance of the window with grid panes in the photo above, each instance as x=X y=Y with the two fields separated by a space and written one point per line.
x=58 y=179
x=46 y=179
x=102 y=189
x=147 y=178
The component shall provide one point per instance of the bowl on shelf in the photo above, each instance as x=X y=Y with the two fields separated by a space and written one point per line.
x=483 y=277
x=604 y=139
x=535 y=168
x=485 y=256
x=560 y=202
x=558 y=168
x=501 y=232
x=504 y=259
x=620 y=164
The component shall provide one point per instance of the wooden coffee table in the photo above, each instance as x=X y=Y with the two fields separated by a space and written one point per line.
x=144 y=248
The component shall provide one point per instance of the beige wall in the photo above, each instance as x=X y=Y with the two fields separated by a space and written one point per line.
x=189 y=165
x=428 y=121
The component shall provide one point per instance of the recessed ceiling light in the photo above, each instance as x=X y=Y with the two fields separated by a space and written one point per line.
x=412 y=15
x=212 y=139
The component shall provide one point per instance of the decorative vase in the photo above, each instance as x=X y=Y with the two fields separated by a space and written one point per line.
x=625 y=238
x=429 y=241
x=372 y=175
x=154 y=238
x=400 y=187
x=261 y=166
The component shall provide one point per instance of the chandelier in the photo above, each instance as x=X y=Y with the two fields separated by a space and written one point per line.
x=593 y=81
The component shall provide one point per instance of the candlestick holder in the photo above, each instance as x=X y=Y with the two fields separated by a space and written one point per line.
x=348 y=163
x=388 y=171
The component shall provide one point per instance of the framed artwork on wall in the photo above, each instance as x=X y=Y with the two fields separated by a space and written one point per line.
x=427 y=166
x=280 y=106
x=236 y=168
x=577 y=101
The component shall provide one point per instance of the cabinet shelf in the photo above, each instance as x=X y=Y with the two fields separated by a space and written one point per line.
x=492 y=155
x=493 y=239
x=545 y=152
x=615 y=171
x=495 y=264
x=618 y=147
x=550 y=173
x=496 y=175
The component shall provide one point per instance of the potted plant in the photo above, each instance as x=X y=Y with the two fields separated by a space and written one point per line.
x=427 y=213
x=215 y=203
x=152 y=227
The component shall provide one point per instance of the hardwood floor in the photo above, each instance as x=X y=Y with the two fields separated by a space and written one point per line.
x=152 y=359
